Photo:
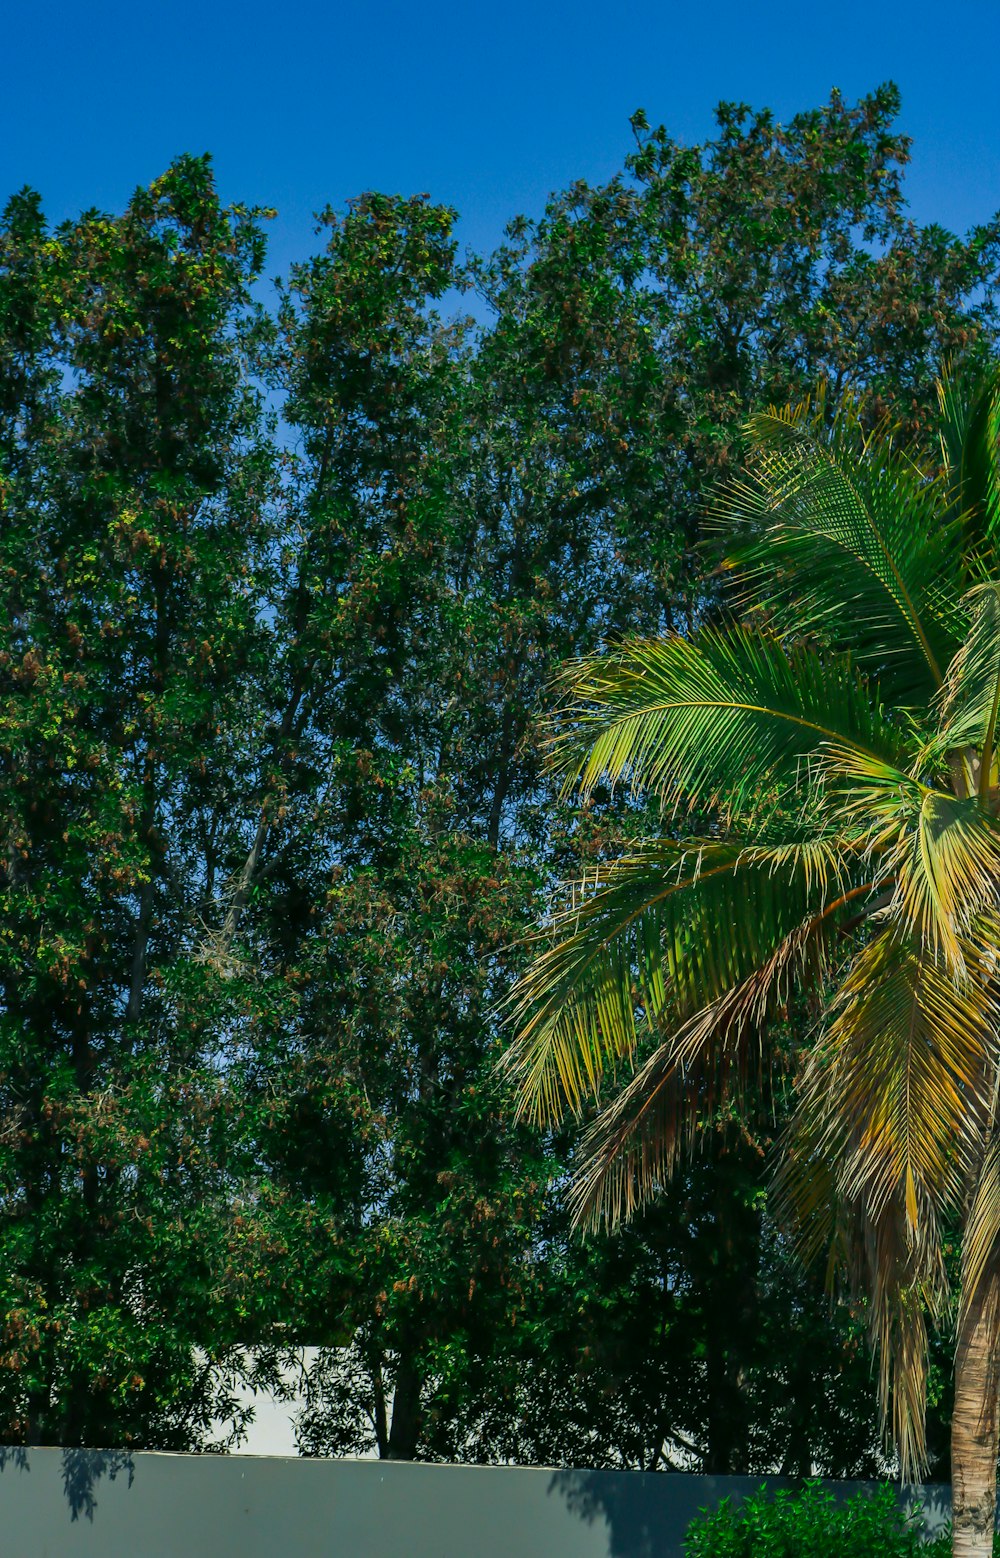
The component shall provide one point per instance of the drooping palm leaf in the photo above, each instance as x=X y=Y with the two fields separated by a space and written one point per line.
x=905 y=1283
x=902 y=1285
x=639 y=953
x=901 y=1279
x=632 y=1147
x=712 y=718
x=880 y=1147
x=941 y=852
x=948 y=867
x=891 y=1081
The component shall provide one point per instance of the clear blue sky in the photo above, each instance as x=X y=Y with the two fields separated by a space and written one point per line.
x=486 y=107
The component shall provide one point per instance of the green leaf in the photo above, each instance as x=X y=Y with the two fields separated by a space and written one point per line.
x=846 y=538
x=712 y=719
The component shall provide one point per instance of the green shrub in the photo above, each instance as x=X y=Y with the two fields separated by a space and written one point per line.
x=811 y=1523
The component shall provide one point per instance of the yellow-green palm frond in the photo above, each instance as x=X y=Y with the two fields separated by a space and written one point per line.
x=969 y=430
x=894 y=1264
x=970 y=698
x=632 y=1147
x=906 y=1285
x=827 y=864
x=981 y=1237
x=650 y=940
x=710 y=719
x=948 y=868
x=940 y=852
x=891 y=1083
x=840 y=534
x=886 y=1138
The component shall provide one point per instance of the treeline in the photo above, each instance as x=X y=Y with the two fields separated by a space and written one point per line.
x=282 y=587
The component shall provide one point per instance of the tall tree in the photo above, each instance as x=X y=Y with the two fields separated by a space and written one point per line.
x=130 y=595
x=783 y=257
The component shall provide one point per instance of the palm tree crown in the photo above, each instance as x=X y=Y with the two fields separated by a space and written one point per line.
x=841 y=732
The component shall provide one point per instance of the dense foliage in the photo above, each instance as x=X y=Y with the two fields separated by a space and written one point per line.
x=281 y=589
x=868 y=1525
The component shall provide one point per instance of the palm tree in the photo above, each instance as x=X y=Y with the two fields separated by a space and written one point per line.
x=841 y=732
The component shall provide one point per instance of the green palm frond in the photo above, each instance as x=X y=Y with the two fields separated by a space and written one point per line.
x=891 y=1081
x=940 y=851
x=712 y=718
x=633 y=1146
x=970 y=698
x=969 y=430
x=639 y=951
x=845 y=537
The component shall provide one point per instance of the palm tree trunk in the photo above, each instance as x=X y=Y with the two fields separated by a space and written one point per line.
x=974 y=1427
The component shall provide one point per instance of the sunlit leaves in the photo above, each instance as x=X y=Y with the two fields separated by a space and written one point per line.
x=969 y=430
x=708 y=720
x=846 y=538
x=639 y=949
x=906 y=1051
x=970 y=698
x=939 y=853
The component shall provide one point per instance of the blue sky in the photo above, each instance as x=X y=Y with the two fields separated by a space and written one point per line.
x=486 y=107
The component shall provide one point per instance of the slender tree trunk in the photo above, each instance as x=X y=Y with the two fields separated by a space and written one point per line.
x=381 y=1420
x=405 y=1429
x=975 y=1425
x=137 y=972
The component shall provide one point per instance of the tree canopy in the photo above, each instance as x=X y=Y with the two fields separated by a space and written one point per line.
x=283 y=585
